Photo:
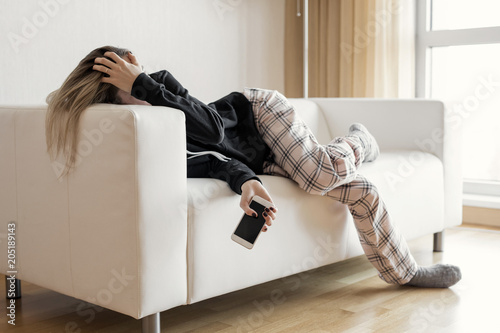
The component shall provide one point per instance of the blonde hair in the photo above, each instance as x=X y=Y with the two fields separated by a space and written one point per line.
x=81 y=89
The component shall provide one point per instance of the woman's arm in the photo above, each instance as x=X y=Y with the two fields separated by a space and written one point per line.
x=241 y=179
x=235 y=173
x=203 y=123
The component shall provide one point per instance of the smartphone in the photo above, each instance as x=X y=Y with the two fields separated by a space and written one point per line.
x=249 y=228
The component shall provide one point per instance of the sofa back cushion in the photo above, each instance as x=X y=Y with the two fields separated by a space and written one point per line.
x=313 y=117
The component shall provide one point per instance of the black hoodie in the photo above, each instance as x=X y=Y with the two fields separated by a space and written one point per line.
x=225 y=126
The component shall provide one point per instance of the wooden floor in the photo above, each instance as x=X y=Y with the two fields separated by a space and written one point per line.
x=343 y=297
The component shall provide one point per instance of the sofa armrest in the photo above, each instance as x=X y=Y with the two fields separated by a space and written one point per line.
x=411 y=124
x=114 y=231
x=141 y=171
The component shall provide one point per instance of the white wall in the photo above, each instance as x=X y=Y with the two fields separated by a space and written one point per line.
x=213 y=47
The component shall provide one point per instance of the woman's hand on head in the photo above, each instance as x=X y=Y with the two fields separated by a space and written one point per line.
x=122 y=72
x=249 y=189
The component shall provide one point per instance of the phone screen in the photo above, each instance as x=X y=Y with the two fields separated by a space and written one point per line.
x=250 y=227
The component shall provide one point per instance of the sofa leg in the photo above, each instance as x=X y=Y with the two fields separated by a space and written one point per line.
x=438 y=241
x=12 y=288
x=151 y=323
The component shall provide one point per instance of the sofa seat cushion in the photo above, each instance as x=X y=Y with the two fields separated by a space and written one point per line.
x=310 y=230
x=411 y=184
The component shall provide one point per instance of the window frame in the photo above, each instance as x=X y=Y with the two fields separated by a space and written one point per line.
x=476 y=193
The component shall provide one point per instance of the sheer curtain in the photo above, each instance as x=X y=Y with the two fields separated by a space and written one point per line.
x=357 y=48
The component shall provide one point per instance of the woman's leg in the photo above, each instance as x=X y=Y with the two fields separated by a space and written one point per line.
x=296 y=153
x=382 y=243
x=332 y=170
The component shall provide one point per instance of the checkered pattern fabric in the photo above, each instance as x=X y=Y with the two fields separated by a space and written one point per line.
x=381 y=241
x=331 y=170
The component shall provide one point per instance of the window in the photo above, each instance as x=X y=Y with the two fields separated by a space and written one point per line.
x=464 y=14
x=458 y=62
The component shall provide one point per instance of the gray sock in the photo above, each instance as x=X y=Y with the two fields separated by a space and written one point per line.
x=367 y=141
x=436 y=276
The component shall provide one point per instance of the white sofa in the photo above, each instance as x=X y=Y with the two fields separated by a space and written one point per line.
x=127 y=231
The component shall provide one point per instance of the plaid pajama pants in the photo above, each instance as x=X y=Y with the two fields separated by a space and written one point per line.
x=331 y=170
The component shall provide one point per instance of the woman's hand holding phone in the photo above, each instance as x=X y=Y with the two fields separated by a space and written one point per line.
x=252 y=188
x=250 y=226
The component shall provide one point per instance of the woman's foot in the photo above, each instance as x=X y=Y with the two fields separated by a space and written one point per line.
x=367 y=141
x=436 y=276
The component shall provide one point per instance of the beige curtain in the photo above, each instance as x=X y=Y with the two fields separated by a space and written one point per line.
x=357 y=48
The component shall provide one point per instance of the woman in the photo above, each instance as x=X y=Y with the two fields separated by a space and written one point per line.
x=240 y=136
